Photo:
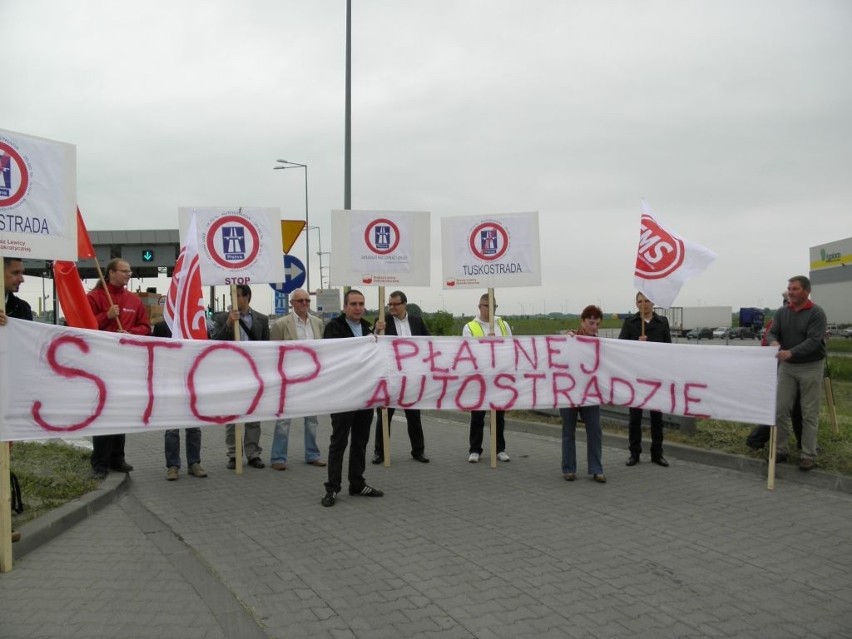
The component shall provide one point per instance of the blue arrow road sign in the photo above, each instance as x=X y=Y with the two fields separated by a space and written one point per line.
x=294 y=275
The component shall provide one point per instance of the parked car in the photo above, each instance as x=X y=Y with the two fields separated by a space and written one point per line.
x=742 y=332
x=721 y=332
x=700 y=333
x=846 y=332
x=831 y=329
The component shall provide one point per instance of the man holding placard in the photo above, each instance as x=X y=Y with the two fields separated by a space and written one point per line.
x=254 y=326
x=479 y=327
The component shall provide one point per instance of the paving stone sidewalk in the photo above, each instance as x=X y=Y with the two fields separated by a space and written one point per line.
x=453 y=550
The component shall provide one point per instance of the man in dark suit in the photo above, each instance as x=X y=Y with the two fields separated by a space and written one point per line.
x=254 y=326
x=401 y=324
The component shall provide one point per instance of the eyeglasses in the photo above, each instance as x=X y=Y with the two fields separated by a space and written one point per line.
x=300 y=301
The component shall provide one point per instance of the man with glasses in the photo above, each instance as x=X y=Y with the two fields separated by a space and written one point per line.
x=298 y=325
x=478 y=328
x=254 y=326
x=116 y=310
x=402 y=324
x=350 y=323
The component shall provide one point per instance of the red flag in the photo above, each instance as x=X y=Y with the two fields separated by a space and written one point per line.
x=72 y=296
x=185 y=311
x=84 y=244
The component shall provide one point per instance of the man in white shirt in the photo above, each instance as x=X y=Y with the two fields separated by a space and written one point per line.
x=401 y=324
x=478 y=328
x=297 y=325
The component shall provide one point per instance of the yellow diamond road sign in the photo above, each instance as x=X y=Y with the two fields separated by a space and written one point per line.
x=290 y=232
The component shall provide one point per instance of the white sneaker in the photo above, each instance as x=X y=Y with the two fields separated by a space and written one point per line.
x=473 y=458
x=503 y=455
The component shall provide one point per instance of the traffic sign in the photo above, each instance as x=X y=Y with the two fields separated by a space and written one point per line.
x=280 y=303
x=294 y=275
x=290 y=231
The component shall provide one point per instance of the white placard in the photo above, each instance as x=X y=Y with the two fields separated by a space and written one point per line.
x=38 y=197
x=490 y=252
x=237 y=245
x=380 y=248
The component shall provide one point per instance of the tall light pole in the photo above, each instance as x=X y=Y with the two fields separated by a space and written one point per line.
x=320 y=252
x=286 y=164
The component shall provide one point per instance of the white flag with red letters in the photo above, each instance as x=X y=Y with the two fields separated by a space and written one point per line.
x=664 y=261
x=185 y=312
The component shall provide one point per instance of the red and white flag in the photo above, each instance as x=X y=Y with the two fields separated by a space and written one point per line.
x=664 y=261
x=185 y=311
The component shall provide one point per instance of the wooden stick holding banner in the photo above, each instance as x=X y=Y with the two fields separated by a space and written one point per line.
x=384 y=411
x=109 y=297
x=829 y=398
x=238 y=428
x=492 y=426
x=5 y=485
x=773 y=436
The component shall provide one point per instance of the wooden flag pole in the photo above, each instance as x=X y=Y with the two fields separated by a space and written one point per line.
x=829 y=398
x=770 y=480
x=106 y=290
x=238 y=428
x=384 y=411
x=493 y=413
x=5 y=484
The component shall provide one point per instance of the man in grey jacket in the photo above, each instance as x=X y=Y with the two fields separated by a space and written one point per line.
x=798 y=330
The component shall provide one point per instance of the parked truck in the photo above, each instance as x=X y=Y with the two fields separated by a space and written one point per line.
x=683 y=319
x=752 y=318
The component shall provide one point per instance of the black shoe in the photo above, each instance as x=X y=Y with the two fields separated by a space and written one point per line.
x=781 y=458
x=378 y=459
x=232 y=464
x=421 y=458
x=632 y=460
x=123 y=467
x=99 y=474
x=367 y=491
x=328 y=499
x=660 y=461
x=256 y=462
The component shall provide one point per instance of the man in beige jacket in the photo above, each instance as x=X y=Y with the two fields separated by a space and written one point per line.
x=297 y=325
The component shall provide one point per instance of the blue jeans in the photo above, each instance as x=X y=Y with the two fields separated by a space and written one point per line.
x=592 y=420
x=193 y=447
x=281 y=439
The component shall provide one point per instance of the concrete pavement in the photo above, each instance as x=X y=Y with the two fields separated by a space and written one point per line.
x=452 y=550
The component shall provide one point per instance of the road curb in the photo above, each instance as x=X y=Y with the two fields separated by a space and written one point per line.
x=742 y=463
x=43 y=529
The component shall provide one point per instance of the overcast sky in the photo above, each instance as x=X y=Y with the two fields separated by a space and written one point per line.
x=732 y=118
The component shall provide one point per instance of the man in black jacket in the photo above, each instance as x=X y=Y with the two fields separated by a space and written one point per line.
x=254 y=326
x=646 y=326
x=13 y=277
x=401 y=324
x=350 y=323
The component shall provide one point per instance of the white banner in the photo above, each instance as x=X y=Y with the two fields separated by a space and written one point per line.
x=491 y=252
x=380 y=248
x=56 y=380
x=236 y=245
x=38 y=198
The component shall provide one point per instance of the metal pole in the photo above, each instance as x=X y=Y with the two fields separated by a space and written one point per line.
x=307 y=237
x=347 y=150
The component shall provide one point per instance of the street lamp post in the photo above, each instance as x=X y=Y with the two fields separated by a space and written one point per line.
x=320 y=252
x=328 y=268
x=286 y=164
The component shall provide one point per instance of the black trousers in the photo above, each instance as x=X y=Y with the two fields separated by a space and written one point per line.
x=759 y=435
x=357 y=423
x=477 y=423
x=415 y=431
x=107 y=451
x=634 y=432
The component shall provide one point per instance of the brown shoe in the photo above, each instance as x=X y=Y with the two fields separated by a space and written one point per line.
x=806 y=463
x=317 y=462
x=279 y=466
x=601 y=478
x=16 y=536
x=569 y=476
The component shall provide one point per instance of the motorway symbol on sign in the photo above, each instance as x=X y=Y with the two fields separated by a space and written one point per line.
x=294 y=275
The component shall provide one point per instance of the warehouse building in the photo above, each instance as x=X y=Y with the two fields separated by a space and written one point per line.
x=831 y=279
